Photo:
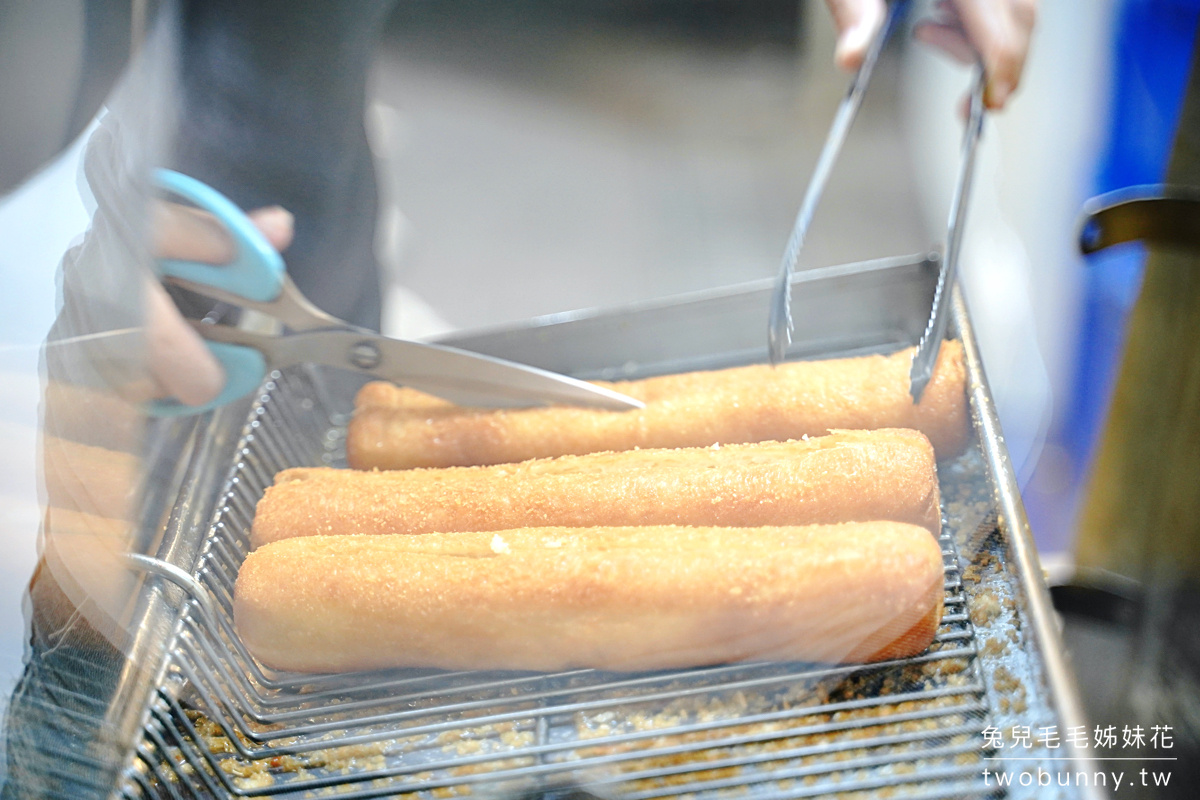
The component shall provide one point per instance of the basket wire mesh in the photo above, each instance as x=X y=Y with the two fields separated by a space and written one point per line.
x=221 y=725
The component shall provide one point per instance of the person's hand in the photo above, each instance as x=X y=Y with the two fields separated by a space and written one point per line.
x=180 y=364
x=998 y=30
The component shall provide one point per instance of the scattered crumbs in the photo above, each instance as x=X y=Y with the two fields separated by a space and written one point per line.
x=715 y=446
x=499 y=545
x=994 y=647
x=1005 y=681
x=952 y=666
x=985 y=609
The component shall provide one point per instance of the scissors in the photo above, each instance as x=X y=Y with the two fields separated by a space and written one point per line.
x=256 y=280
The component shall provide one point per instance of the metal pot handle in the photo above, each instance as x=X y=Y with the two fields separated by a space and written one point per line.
x=1156 y=214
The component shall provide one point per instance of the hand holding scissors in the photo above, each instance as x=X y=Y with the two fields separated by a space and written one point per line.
x=256 y=280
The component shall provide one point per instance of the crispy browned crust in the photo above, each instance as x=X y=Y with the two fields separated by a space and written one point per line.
x=399 y=428
x=846 y=476
x=607 y=598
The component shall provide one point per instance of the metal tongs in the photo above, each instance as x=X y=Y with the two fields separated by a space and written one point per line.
x=779 y=331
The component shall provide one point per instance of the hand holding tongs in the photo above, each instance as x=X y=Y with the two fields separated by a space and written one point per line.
x=256 y=280
x=779 y=332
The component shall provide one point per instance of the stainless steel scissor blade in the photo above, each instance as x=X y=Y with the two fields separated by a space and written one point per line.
x=457 y=375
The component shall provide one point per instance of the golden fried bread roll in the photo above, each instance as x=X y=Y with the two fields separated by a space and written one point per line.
x=844 y=477
x=399 y=428
x=607 y=598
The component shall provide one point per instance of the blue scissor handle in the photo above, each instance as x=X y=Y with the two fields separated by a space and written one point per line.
x=256 y=273
x=244 y=368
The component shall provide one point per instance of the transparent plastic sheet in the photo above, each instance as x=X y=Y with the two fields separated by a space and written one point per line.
x=93 y=487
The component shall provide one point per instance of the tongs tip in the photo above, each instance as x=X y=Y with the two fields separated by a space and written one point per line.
x=918 y=380
x=779 y=331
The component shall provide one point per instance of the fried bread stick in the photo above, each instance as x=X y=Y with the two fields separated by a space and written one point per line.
x=400 y=428
x=606 y=598
x=846 y=476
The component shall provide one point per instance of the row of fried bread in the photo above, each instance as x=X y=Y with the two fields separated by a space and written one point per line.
x=819 y=548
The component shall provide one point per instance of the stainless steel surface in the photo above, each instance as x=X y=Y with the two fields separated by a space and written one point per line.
x=1022 y=551
x=219 y=725
x=779 y=325
x=865 y=307
x=935 y=331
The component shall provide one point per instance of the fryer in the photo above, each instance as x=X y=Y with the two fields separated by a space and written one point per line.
x=199 y=718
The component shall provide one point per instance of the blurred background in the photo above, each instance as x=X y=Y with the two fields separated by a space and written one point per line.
x=538 y=156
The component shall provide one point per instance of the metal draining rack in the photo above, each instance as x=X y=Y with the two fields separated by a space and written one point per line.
x=219 y=725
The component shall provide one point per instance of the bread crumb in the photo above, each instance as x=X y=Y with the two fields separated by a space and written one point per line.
x=499 y=545
x=986 y=609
